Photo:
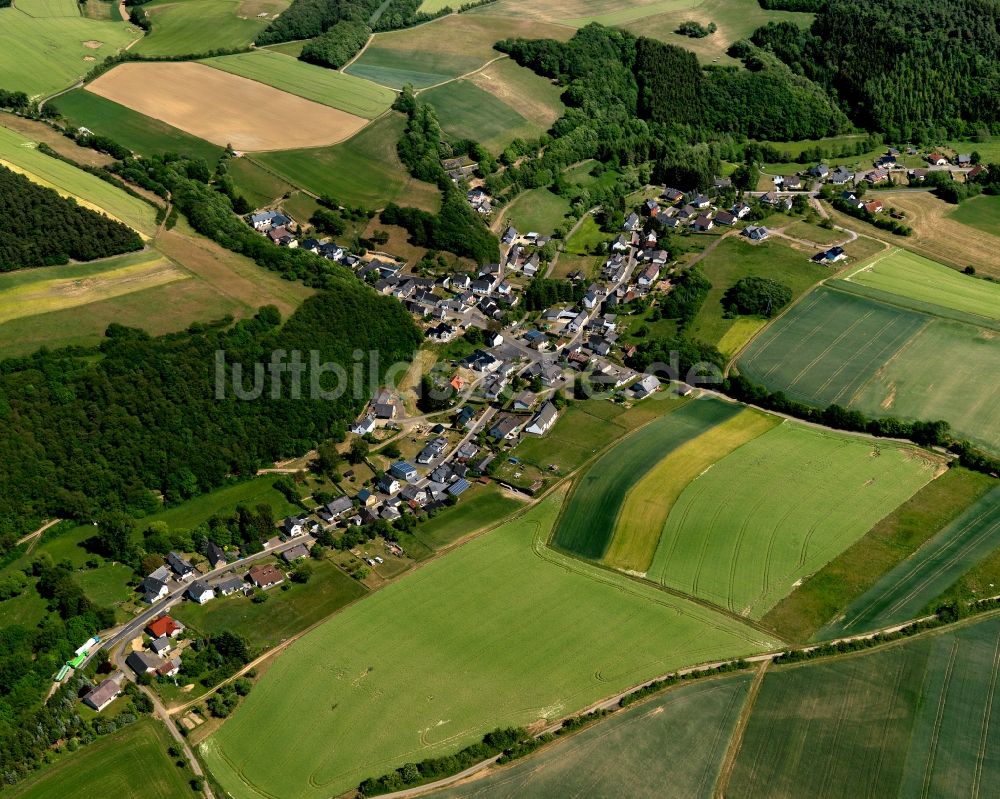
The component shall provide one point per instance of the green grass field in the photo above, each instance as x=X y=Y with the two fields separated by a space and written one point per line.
x=469 y=112
x=326 y=86
x=364 y=170
x=981 y=212
x=481 y=506
x=406 y=675
x=733 y=259
x=284 y=614
x=534 y=97
x=903 y=275
x=259 y=186
x=129 y=764
x=883 y=360
x=48 y=8
x=745 y=532
x=138 y=132
x=588 y=521
x=538 y=210
x=580 y=432
x=191 y=27
x=677 y=740
x=69 y=180
x=903 y=592
x=909 y=720
x=824 y=595
x=648 y=502
x=44 y=55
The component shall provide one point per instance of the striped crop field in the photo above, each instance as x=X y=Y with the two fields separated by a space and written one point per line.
x=883 y=360
x=745 y=533
x=588 y=521
x=909 y=720
x=648 y=503
x=903 y=592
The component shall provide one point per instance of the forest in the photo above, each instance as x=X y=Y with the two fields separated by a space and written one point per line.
x=42 y=228
x=337 y=46
x=913 y=69
x=80 y=435
x=306 y=19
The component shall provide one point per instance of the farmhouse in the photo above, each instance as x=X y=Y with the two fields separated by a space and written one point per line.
x=103 y=695
x=266 y=575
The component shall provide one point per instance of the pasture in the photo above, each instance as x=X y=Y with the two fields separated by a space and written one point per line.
x=364 y=170
x=535 y=98
x=904 y=592
x=677 y=740
x=22 y=155
x=44 y=55
x=246 y=114
x=580 y=432
x=882 y=360
x=286 y=613
x=444 y=49
x=539 y=210
x=733 y=259
x=326 y=86
x=908 y=720
x=543 y=635
x=48 y=8
x=129 y=764
x=823 y=596
x=480 y=506
x=191 y=27
x=587 y=523
x=745 y=532
x=467 y=111
x=902 y=275
x=140 y=133
x=982 y=213
x=649 y=501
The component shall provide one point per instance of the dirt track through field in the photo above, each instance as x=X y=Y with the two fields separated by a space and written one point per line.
x=224 y=108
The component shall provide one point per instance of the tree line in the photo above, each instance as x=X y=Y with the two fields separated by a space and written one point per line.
x=42 y=228
x=338 y=45
x=306 y=19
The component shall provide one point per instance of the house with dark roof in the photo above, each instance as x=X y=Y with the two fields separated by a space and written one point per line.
x=404 y=471
x=295 y=553
x=830 y=256
x=336 y=508
x=201 y=592
x=673 y=196
x=215 y=554
x=840 y=176
x=181 y=566
x=632 y=222
x=103 y=695
x=143 y=662
x=230 y=585
x=153 y=590
x=755 y=232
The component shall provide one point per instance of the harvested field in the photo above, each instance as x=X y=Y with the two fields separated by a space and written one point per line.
x=588 y=522
x=678 y=739
x=327 y=86
x=743 y=533
x=904 y=592
x=935 y=234
x=247 y=114
x=649 y=501
x=909 y=720
x=548 y=635
x=190 y=27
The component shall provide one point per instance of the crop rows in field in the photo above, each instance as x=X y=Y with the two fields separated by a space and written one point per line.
x=904 y=591
x=502 y=631
x=744 y=533
x=588 y=521
x=911 y=720
x=882 y=359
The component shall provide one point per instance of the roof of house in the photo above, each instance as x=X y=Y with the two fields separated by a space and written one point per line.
x=179 y=564
x=164 y=625
x=545 y=416
x=295 y=553
x=198 y=588
x=107 y=690
x=229 y=584
x=143 y=661
x=215 y=552
x=266 y=574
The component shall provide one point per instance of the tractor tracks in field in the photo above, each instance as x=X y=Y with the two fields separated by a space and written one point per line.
x=736 y=740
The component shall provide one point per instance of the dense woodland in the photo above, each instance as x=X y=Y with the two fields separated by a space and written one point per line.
x=305 y=19
x=337 y=46
x=909 y=68
x=82 y=435
x=41 y=228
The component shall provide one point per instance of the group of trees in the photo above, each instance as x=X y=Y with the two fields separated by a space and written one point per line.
x=307 y=19
x=213 y=659
x=41 y=228
x=160 y=415
x=338 y=45
x=756 y=296
x=695 y=29
x=542 y=293
x=905 y=67
x=686 y=296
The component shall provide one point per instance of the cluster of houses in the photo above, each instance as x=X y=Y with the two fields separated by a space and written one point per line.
x=158 y=656
x=284 y=232
x=675 y=209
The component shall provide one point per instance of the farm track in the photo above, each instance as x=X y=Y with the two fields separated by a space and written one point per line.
x=736 y=741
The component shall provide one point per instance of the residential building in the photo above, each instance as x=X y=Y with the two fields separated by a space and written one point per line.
x=201 y=592
x=103 y=695
x=266 y=575
x=543 y=420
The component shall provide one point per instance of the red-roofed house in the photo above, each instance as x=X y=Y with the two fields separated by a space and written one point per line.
x=937 y=159
x=874 y=207
x=164 y=625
